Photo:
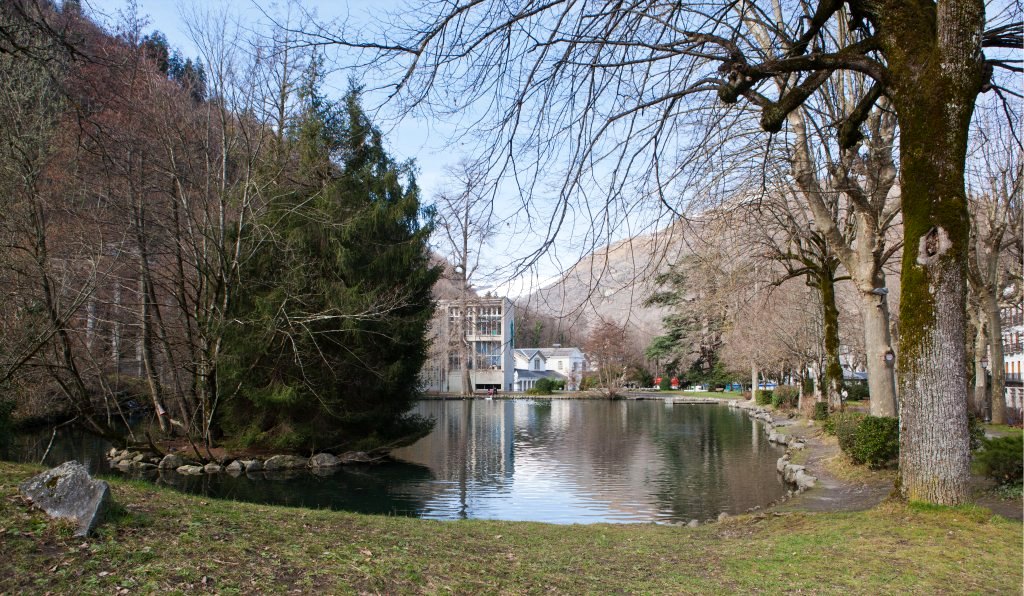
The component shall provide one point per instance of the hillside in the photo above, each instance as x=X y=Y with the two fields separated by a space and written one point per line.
x=611 y=284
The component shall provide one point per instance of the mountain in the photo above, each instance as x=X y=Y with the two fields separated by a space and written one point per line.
x=610 y=284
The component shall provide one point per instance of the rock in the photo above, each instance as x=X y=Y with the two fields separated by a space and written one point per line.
x=252 y=465
x=780 y=465
x=212 y=468
x=112 y=453
x=723 y=516
x=325 y=472
x=124 y=464
x=798 y=445
x=804 y=481
x=235 y=467
x=172 y=461
x=355 y=457
x=68 y=491
x=693 y=523
x=138 y=457
x=323 y=460
x=284 y=462
x=189 y=470
x=144 y=465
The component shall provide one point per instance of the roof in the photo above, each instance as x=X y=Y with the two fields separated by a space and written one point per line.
x=555 y=352
x=523 y=374
x=529 y=353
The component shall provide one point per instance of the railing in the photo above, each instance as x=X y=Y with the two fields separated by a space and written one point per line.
x=1011 y=318
x=1012 y=347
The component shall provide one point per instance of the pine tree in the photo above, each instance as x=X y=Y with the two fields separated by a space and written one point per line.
x=329 y=331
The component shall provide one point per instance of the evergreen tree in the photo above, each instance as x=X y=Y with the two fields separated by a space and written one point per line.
x=328 y=333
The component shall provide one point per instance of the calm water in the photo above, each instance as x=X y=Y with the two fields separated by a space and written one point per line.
x=560 y=461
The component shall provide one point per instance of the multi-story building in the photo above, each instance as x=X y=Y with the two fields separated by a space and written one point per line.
x=1012 y=319
x=480 y=327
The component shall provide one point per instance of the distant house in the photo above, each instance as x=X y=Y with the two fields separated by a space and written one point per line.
x=556 y=363
x=485 y=333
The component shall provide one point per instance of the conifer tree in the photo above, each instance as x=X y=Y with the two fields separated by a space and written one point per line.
x=328 y=335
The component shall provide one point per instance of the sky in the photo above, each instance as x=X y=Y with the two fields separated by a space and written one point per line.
x=429 y=142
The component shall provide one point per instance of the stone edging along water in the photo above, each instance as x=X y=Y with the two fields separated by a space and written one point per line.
x=137 y=461
x=793 y=474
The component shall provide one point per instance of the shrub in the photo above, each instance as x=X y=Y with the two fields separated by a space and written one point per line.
x=976 y=431
x=6 y=423
x=764 y=397
x=666 y=383
x=856 y=391
x=785 y=396
x=843 y=425
x=821 y=410
x=1000 y=459
x=875 y=441
x=546 y=387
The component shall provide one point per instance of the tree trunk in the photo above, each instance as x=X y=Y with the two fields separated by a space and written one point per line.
x=878 y=344
x=995 y=358
x=980 y=348
x=833 y=373
x=753 y=381
x=937 y=72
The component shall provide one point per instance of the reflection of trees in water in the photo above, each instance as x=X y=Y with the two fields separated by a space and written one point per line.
x=367 y=489
x=689 y=461
x=69 y=443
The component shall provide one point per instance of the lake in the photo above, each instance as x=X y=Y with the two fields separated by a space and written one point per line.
x=558 y=461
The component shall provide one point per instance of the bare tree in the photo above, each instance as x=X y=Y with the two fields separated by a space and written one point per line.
x=995 y=203
x=465 y=222
x=606 y=349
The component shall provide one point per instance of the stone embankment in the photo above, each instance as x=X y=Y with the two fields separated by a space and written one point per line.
x=136 y=461
x=793 y=474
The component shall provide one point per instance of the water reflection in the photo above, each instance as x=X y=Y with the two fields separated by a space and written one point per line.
x=557 y=461
x=588 y=461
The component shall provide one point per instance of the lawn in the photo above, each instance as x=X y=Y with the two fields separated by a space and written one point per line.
x=161 y=540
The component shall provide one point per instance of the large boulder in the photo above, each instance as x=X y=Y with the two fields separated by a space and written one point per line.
x=172 y=461
x=252 y=465
x=68 y=491
x=324 y=460
x=189 y=470
x=284 y=462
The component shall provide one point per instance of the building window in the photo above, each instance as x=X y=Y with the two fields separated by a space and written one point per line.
x=488 y=354
x=559 y=365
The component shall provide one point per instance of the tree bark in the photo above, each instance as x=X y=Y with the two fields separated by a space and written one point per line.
x=833 y=373
x=936 y=71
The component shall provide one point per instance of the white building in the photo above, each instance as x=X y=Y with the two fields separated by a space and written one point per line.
x=488 y=327
x=556 y=362
x=1012 y=319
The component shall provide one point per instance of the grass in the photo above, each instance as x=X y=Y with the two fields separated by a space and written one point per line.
x=1002 y=430
x=161 y=541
